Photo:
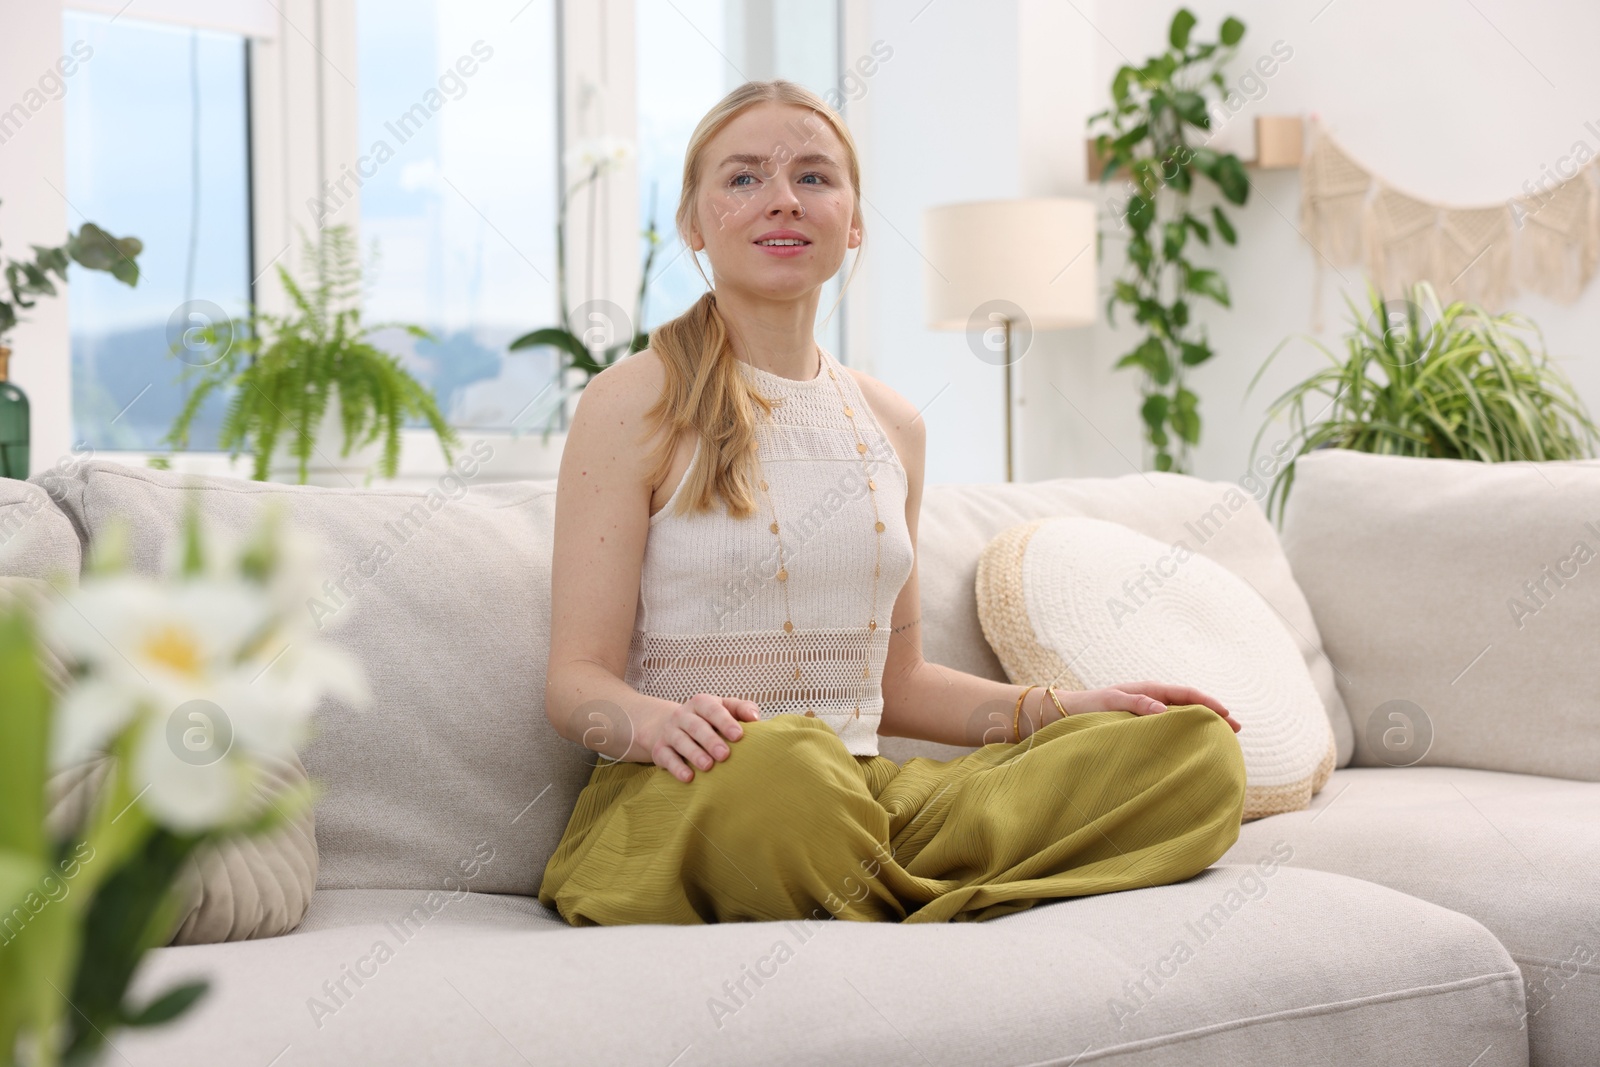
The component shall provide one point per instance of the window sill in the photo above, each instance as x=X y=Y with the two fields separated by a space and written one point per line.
x=501 y=457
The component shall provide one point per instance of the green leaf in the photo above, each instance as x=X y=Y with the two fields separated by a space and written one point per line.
x=1119 y=84
x=1178 y=32
x=169 y=1005
x=1208 y=283
x=1177 y=172
x=19 y=874
x=1140 y=252
x=1224 y=227
x=1191 y=107
x=1140 y=213
x=1131 y=138
x=24 y=739
x=1179 y=314
x=1173 y=237
x=1183 y=415
x=1232 y=31
x=1201 y=230
x=1194 y=353
x=1205 y=161
x=563 y=339
x=1231 y=179
x=96 y=249
x=1153 y=357
x=1148 y=311
x=1154 y=410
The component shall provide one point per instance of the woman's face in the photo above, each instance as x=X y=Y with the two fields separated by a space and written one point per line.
x=777 y=167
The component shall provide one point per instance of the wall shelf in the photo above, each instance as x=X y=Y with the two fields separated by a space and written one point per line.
x=1280 y=141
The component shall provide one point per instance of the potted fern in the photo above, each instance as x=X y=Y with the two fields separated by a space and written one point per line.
x=310 y=385
x=1422 y=379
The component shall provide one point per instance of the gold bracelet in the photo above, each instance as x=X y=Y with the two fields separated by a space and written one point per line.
x=1016 y=719
x=1052 y=691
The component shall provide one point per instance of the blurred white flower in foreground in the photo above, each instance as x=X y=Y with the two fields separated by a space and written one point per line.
x=206 y=667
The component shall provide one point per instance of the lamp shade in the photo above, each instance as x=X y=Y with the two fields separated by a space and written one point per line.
x=1037 y=254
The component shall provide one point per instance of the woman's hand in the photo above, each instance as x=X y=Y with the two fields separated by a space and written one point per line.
x=1141 y=698
x=693 y=732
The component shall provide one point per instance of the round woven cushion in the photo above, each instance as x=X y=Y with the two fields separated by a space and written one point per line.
x=1085 y=604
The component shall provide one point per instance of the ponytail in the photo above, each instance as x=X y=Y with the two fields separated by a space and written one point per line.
x=705 y=394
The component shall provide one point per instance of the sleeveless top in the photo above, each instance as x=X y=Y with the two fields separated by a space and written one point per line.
x=711 y=610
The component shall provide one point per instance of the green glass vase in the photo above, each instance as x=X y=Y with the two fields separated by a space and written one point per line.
x=13 y=423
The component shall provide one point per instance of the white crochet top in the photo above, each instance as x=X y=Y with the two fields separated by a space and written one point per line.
x=711 y=610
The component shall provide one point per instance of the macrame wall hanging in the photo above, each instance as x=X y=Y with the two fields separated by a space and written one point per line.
x=1546 y=243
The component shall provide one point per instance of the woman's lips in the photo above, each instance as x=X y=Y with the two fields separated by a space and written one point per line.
x=785 y=251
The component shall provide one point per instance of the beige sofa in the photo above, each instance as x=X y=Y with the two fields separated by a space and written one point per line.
x=1444 y=913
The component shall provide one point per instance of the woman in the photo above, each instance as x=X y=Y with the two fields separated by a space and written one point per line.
x=736 y=517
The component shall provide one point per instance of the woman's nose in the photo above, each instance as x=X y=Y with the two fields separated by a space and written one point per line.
x=784 y=201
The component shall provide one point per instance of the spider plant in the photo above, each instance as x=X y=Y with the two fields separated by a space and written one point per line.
x=1422 y=379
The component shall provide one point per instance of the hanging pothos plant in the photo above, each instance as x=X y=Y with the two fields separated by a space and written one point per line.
x=1146 y=136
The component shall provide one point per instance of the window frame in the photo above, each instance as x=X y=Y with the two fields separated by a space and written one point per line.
x=296 y=81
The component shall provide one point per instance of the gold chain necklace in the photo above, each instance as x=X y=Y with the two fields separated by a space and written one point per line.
x=877 y=525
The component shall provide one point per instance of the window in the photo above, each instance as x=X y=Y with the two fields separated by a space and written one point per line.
x=691 y=53
x=157 y=147
x=458 y=119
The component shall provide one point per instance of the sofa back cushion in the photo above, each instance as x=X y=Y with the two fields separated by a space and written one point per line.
x=36 y=537
x=1460 y=602
x=443 y=594
x=1215 y=519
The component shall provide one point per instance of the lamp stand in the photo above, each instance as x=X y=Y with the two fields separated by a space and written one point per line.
x=1005 y=328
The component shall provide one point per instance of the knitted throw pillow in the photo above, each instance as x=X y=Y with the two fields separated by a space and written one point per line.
x=1086 y=604
x=233 y=889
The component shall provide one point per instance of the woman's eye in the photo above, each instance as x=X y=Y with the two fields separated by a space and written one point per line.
x=742 y=174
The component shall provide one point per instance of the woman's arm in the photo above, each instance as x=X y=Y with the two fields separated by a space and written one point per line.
x=602 y=520
x=931 y=702
x=920 y=699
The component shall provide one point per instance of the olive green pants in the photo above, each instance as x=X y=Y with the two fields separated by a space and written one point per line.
x=791 y=825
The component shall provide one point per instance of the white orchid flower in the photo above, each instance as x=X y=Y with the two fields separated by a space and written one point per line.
x=605 y=153
x=206 y=670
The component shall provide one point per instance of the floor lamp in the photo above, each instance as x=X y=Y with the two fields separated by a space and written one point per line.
x=1002 y=269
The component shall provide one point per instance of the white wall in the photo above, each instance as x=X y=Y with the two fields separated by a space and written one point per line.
x=1458 y=103
x=943 y=127
x=33 y=210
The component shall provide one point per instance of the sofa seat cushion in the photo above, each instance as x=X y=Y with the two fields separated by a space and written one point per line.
x=1287 y=961
x=1519 y=853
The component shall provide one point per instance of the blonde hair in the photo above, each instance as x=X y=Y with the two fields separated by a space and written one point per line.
x=704 y=392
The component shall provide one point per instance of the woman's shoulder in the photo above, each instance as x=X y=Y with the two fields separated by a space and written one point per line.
x=616 y=402
x=899 y=417
x=624 y=391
